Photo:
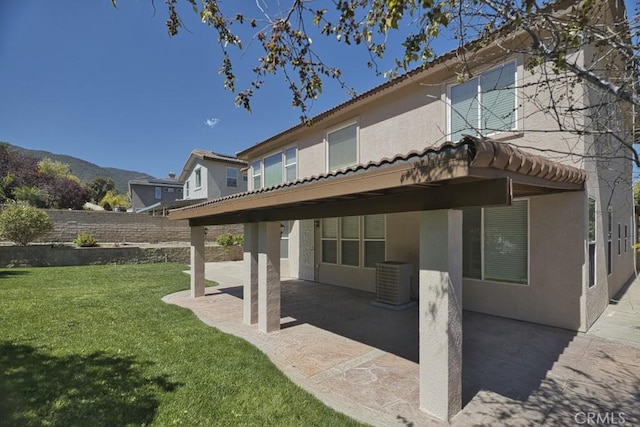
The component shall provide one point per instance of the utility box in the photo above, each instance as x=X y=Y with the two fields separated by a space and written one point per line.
x=393 y=282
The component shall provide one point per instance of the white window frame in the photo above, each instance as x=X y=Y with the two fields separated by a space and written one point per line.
x=261 y=173
x=479 y=95
x=285 y=166
x=593 y=242
x=285 y=226
x=235 y=178
x=619 y=239
x=197 y=176
x=482 y=251
x=256 y=173
x=333 y=239
x=361 y=242
x=334 y=129
x=358 y=240
x=370 y=239
x=186 y=189
x=158 y=193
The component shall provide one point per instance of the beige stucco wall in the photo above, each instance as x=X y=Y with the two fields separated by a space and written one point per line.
x=214 y=180
x=414 y=116
x=556 y=248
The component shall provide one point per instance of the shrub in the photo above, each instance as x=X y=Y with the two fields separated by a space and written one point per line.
x=85 y=240
x=227 y=239
x=22 y=223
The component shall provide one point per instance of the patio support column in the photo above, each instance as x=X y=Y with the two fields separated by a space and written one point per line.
x=250 y=272
x=197 y=262
x=269 y=276
x=441 y=313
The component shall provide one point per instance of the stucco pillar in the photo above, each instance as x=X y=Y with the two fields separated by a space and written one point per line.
x=197 y=262
x=269 y=276
x=441 y=313
x=250 y=272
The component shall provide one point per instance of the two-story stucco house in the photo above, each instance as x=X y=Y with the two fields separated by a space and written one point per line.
x=497 y=222
x=154 y=195
x=207 y=175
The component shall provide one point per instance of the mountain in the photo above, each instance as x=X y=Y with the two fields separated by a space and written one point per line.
x=87 y=171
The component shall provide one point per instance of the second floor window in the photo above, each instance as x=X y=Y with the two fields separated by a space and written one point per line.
x=342 y=147
x=257 y=175
x=232 y=177
x=272 y=170
x=276 y=168
x=158 y=193
x=485 y=104
x=186 y=189
x=198 y=178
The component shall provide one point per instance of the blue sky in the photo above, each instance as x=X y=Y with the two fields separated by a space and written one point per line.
x=110 y=86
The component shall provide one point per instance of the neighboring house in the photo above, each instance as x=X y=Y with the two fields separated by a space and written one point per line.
x=154 y=195
x=501 y=225
x=208 y=175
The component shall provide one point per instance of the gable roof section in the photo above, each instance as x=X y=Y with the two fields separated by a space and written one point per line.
x=560 y=6
x=157 y=182
x=208 y=155
x=473 y=172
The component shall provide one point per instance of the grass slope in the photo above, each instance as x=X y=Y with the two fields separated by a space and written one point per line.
x=87 y=171
x=96 y=346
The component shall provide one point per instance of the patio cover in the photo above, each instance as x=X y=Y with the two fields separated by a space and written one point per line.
x=472 y=172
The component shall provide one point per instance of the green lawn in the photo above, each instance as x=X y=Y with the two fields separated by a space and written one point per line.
x=95 y=346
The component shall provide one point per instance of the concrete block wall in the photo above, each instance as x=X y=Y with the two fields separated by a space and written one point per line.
x=117 y=227
x=61 y=256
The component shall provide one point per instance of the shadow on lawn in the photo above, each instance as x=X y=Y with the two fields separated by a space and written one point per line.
x=95 y=389
x=4 y=274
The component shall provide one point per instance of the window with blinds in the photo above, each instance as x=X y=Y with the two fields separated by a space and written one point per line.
x=495 y=243
x=506 y=242
x=350 y=241
x=592 y=241
x=272 y=170
x=374 y=240
x=257 y=175
x=485 y=104
x=285 y=228
x=276 y=168
x=290 y=164
x=609 y=235
x=345 y=238
x=232 y=177
x=342 y=148
x=330 y=240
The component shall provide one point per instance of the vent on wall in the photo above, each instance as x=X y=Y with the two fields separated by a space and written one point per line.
x=393 y=282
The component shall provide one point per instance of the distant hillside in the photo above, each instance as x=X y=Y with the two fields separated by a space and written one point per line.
x=87 y=171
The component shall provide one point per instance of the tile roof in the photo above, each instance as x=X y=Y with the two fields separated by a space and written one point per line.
x=210 y=155
x=480 y=153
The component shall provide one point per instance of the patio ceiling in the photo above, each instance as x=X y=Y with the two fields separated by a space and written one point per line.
x=472 y=172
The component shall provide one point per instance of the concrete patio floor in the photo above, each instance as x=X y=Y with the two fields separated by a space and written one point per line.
x=362 y=360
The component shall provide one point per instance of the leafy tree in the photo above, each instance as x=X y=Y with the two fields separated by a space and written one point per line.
x=17 y=170
x=113 y=199
x=99 y=187
x=54 y=168
x=283 y=32
x=35 y=196
x=636 y=193
x=65 y=193
x=22 y=223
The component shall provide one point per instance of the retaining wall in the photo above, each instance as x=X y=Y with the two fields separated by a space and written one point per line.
x=125 y=227
x=60 y=256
